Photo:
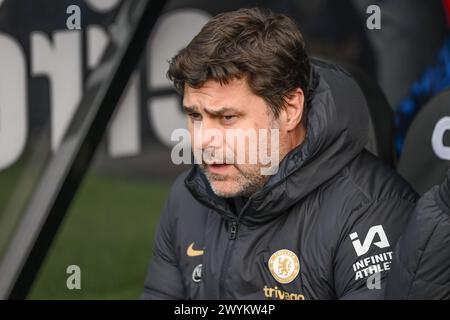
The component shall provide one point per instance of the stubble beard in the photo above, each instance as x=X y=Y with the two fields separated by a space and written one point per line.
x=245 y=182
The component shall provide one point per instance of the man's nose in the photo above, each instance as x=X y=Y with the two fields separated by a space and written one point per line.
x=212 y=136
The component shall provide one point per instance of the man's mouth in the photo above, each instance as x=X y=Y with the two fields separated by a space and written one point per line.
x=217 y=168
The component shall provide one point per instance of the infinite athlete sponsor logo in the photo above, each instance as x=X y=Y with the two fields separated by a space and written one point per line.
x=372 y=264
x=284 y=266
x=375 y=263
x=363 y=248
x=191 y=252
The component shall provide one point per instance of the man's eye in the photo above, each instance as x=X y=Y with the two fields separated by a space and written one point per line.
x=195 y=116
x=229 y=118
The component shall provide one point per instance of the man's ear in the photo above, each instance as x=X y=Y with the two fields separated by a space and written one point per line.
x=293 y=109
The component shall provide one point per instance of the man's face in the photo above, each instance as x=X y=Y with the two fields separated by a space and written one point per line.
x=217 y=115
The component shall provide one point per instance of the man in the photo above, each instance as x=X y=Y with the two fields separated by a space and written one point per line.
x=421 y=269
x=322 y=224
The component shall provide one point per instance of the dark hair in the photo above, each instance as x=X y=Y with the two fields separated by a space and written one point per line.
x=266 y=48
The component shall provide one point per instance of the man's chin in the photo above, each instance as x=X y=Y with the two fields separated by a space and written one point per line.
x=225 y=189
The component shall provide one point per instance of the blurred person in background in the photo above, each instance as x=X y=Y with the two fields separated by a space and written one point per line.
x=421 y=268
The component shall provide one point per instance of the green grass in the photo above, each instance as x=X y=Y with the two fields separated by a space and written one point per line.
x=16 y=186
x=8 y=178
x=108 y=232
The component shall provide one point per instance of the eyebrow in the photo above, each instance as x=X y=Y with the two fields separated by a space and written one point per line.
x=188 y=109
x=219 y=112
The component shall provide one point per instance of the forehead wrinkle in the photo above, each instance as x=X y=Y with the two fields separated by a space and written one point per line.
x=213 y=96
x=219 y=111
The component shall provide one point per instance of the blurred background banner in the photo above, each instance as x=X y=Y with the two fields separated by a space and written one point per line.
x=48 y=66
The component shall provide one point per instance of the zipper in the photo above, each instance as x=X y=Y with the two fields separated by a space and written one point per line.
x=233 y=235
x=233 y=230
x=234 y=227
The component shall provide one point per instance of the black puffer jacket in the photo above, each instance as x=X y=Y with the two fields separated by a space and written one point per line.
x=319 y=228
x=421 y=267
